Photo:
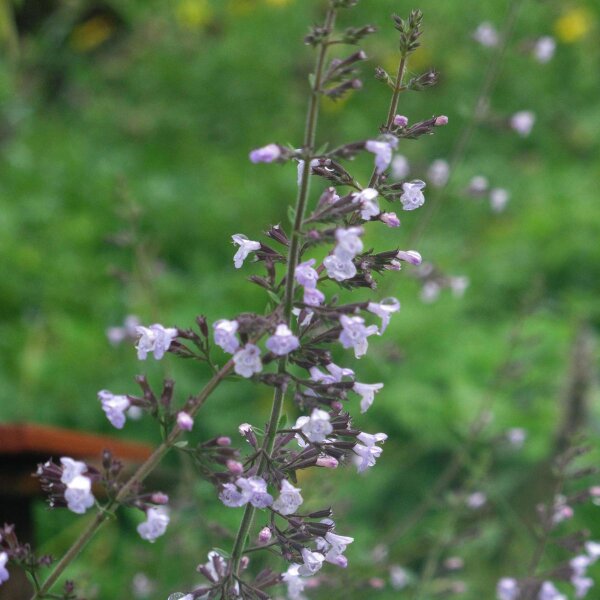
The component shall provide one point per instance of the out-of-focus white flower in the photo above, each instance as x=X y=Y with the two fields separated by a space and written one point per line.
x=499 y=198
x=522 y=122
x=400 y=167
x=438 y=173
x=486 y=34
x=544 y=48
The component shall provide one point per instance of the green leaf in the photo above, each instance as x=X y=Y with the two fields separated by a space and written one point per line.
x=181 y=444
x=291 y=213
x=274 y=297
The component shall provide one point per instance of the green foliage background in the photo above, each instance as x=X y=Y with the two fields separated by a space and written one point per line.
x=157 y=122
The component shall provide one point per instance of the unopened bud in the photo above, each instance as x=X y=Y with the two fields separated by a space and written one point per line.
x=159 y=498
x=390 y=219
x=184 y=421
x=264 y=535
x=441 y=121
x=223 y=441
x=235 y=467
x=328 y=462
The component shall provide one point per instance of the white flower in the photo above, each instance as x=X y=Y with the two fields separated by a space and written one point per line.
x=368 y=201
x=247 y=361
x=354 y=334
x=476 y=500
x=582 y=586
x=154 y=339
x=313 y=297
x=71 y=469
x=225 y=335
x=295 y=583
x=316 y=428
x=289 y=499
x=349 y=243
x=384 y=310
x=499 y=198
x=367 y=452
x=579 y=564
x=438 y=173
x=486 y=35
x=245 y=247
x=478 y=184
x=399 y=577
x=114 y=406
x=400 y=167
x=313 y=561
x=283 y=342
x=79 y=495
x=544 y=48
x=338 y=268
x=522 y=122
x=382 y=152
x=458 y=285
x=367 y=392
x=412 y=197
x=3 y=570
x=155 y=524
x=507 y=589
x=593 y=550
x=430 y=292
x=516 y=437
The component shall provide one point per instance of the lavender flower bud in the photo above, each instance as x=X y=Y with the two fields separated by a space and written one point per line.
x=390 y=219
x=184 y=421
x=400 y=121
x=266 y=154
x=264 y=535
x=159 y=498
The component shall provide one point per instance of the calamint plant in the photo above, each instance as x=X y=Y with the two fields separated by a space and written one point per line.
x=289 y=348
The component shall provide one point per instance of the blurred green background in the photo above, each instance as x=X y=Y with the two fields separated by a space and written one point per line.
x=124 y=135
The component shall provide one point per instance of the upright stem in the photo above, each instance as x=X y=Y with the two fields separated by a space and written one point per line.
x=393 y=105
x=138 y=477
x=288 y=299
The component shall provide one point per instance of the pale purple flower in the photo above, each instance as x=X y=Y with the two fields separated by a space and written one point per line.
x=247 y=361
x=316 y=428
x=266 y=154
x=338 y=373
x=306 y=275
x=486 y=34
x=225 y=335
x=295 y=583
x=367 y=198
x=339 y=269
x=155 y=339
x=254 y=490
x=313 y=163
x=544 y=48
x=410 y=256
x=79 y=495
x=114 y=406
x=399 y=577
x=289 y=499
x=245 y=247
x=384 y=310
x=548 y=591
x=478 y=185
x=3 y=570
x=184 y=421
x=507 y=589
x=438 y=173
x=400 y=121
x=306 y=314
x=116 y=335
x=354 y=334
x=522 y=122
x=476 y=500
x=382 y=152
x=71 y=469
x=368 y=452
x=516 y=437
x=400 y=167
x=412 y=197
x=458 y=285
x=367 y=393
x=313 y=297
x=337 y=547
x=349 y=243
x=582 y=586
x=499 y=198
x=430 y=292
x=264 y=535
x=142 y=586
x=313 y=561
x=390 y=219
x=231 y=496
x=283 y=341
x=155 y=525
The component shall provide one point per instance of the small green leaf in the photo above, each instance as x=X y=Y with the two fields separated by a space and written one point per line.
x=274 y=297
x=181 y=444
x=291 y=213
x=311 y=80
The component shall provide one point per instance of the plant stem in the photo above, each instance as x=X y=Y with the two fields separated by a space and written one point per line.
x=138 y=477
x=393 y=105
x=288 y=299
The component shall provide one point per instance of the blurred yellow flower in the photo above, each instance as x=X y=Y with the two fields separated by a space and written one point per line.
x=91 y=33
x=193 y=14
x=278 y=2
x=573 y=25
x=241 y=7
